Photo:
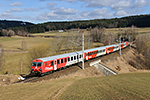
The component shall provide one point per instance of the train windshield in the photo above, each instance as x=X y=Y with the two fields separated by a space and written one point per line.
x=38 y=64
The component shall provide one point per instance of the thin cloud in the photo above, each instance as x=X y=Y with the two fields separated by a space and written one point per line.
x=9 y=16
x=31 y=9
x=51 y=5
x=15 y=4
x=64 y=11
x=15 y=10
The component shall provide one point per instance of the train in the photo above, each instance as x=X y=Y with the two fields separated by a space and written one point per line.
x=47 y=65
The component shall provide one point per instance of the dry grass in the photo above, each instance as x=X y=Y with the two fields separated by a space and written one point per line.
x=140 y=30
x=133 y=86
x=14 y=43
x=12 y=63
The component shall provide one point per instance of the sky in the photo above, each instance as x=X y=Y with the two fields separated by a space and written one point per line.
x=40 y=11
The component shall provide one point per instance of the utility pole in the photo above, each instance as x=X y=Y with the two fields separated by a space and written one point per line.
x=120 y=46
x=21 y=67
x=130 y=42
x=83 y=50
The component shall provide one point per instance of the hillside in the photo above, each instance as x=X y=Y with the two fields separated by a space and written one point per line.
x=4 y=24
x=138 y=20
x=85 y=84
x=133 y=86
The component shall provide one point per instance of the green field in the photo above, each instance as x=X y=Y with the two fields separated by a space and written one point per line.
x=132 y=86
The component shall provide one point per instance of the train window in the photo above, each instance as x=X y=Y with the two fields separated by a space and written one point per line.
x=39 y=64
x=80 y=56
x=71 y=58
x=61 y=60
x=74 y=57
x=45 y=64
x=101 y=51
x=65 y=59
x=58 y=62
x=104 y=50
x=34 y=64
x=77 y=57
x=52 y=63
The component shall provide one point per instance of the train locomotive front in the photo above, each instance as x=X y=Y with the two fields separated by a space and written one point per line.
x=37 y=67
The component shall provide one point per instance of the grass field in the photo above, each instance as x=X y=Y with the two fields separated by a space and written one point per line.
x=132 y=86
x=140 y=30
x=126 y=86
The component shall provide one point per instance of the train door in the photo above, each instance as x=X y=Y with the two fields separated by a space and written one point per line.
x=86 y=56
x=77 y=58
x=55 y=65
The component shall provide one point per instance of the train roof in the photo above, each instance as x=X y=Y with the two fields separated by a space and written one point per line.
x=57 y=56
x=68 y=54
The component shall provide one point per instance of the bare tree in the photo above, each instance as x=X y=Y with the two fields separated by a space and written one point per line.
x=57 y=44
x=24 y=45
x=4 y=32
x=98 y=34
x=38 y=51
x=143 y=47
x=11 y=33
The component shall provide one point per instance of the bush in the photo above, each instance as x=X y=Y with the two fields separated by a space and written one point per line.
x=143 y=47
x=38 y=51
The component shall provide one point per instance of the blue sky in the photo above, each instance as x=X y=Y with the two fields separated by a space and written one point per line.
x=39 y=11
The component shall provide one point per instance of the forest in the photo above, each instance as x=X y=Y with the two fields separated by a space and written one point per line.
x=138 y=21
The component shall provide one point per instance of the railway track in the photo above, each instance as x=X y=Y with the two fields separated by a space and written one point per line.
x=71 y=69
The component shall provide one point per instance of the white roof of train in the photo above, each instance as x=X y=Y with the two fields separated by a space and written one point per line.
x=69 y=54
x=74 y=53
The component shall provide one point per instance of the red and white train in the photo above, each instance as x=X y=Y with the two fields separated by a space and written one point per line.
x=48 y=64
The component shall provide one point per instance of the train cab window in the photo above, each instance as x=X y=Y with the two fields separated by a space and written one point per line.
x=61 y=60
x=58 y=62
x=52 y=63
x=34 y=64
x=71 y=58
x=74 y=57
x=45 y=64
x=65 y=59
x=39 y=64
